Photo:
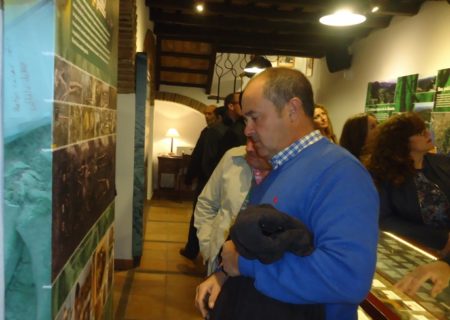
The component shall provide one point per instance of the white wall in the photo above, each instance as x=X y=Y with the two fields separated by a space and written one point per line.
x=124 y=176
x=143 y=23
x=418 y=44
x=149 y=124
x=188 y=122
x=126 y=104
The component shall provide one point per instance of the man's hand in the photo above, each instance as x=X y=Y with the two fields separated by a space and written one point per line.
x=230 y=259
x=438 y=272
x=208 y=291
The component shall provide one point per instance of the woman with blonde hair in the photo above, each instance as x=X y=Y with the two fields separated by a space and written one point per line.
x=323 y=123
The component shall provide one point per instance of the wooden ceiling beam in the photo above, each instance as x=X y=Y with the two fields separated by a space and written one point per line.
x=212 y=63
x=184 y=54
x=215 y=7
x=256 y=23
x=182 y=84
x=271 y=51
x=297 y=11
x=302 y=3
x=236 y=11
x=218 y=35
x=399 y=8
x=183 y=70
x=245 y=46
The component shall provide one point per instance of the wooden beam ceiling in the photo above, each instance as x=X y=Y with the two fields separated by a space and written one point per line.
x=263 y=27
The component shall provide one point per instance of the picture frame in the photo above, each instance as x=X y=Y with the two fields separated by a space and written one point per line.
x=309 y=66
x=286 y=61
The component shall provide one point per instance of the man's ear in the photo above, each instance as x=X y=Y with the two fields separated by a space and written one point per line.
x=295 y=108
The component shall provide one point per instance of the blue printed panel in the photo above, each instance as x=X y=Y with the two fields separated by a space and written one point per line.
x=28 y=90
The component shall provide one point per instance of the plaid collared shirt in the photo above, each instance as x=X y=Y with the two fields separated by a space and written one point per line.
x=294 y=149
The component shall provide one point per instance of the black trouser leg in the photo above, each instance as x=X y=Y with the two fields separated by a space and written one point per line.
x=192 y=246
x=191 y=249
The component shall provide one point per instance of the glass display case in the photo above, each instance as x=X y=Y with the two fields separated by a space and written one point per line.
x=396 y=258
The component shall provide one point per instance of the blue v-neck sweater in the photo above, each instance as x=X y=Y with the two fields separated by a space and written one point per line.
x=333 y=194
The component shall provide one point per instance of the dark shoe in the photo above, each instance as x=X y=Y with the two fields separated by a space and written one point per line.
x=187 y=255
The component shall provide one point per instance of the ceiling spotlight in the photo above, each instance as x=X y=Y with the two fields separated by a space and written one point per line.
x=342 y=18
x=200 y=7
x=375 y=9
x=256 y=65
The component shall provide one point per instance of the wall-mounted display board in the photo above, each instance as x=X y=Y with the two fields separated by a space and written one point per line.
x=60 y=97
x=82 y=291
x=429 y=96
x=380 y=99
x=443 y=90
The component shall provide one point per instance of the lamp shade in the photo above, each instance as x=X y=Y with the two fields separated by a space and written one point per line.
x=172 y=133
x=256 y=65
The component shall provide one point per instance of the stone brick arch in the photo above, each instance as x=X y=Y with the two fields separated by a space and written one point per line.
x=181 y=99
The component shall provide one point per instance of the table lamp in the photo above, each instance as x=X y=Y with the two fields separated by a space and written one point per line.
x=172 y=133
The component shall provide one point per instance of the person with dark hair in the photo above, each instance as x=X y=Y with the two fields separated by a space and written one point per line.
x=414 y=188
x=221 y=114
x=234 y=136
x=316 y=182
x=224 y=195
x=413 y=184
x=357 y=135
x=202 y=164
x=323 y=122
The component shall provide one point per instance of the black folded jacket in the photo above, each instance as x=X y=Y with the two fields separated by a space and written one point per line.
x=264 y=233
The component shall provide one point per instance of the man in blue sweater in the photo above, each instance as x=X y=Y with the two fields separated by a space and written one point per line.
x=317 y=182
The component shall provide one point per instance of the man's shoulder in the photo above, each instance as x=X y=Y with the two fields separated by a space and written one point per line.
x=203 y=135
x=326 y=150
x=218 y=129
x=233 y=158
x=236 y=152
x=204 y=130
x=324 y=154
x=238 y=125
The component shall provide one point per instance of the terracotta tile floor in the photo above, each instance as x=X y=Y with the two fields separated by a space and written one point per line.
x=163 y=286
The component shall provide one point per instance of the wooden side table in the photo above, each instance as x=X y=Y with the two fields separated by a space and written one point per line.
x=169 y=165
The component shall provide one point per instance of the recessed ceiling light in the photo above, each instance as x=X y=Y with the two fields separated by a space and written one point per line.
x=375 y=9
x=342 y=18
x=199 y=7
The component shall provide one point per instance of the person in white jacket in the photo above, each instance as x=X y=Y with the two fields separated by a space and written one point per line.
x=224 y=195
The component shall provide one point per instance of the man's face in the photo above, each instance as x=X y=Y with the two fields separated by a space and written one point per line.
x=268 y=129
x=254 y=159
x=210 y=116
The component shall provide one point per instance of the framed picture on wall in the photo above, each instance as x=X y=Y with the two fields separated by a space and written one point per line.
x=309 y=67
x=286 y=61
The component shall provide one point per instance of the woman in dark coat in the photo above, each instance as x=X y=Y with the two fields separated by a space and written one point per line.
x=414 y=184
